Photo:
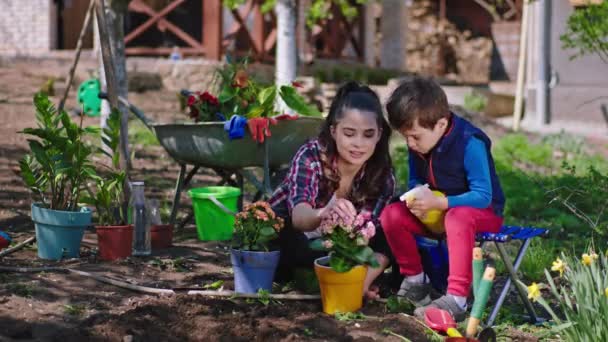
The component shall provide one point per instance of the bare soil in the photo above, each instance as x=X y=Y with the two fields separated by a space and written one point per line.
x=53 y=306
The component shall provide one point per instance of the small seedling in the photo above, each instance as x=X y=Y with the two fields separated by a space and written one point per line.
x=395 y=304
x=215 y=285
x=157 y=262
x=349 y=316
x=74 y=310
x=180 y=264
x=308 y=332
x=21 y=290
x=387 y=331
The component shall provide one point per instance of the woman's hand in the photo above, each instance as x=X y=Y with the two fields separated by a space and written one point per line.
x=342 y=207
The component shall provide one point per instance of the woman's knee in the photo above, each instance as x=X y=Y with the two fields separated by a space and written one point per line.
x=459 y=218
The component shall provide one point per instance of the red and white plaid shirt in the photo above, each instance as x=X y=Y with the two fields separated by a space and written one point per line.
x=302 y=185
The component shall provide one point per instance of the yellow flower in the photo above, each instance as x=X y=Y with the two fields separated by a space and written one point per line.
x=606 y=292
x=559 y=265
x=588 y=259
x=533 y=292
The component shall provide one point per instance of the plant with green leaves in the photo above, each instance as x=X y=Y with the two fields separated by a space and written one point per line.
x=59 y=165
x=587 y=31
x=108 y=197
x=256 y=228
x=582 y=296
x=243 y=95
x=346 y=241
x=318 y=10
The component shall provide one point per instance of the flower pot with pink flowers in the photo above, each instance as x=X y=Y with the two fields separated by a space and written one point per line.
x=342 y=272
x=255 y=250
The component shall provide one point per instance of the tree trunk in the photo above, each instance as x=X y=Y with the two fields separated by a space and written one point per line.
x=115 y=14
x=286 y=49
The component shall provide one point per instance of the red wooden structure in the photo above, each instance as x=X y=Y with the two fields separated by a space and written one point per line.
x=251 y=32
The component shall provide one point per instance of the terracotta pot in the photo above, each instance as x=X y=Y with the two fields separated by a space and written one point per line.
x=161 y=236
x=115 y=242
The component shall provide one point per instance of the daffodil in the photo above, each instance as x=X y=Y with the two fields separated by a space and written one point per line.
x=559 y=265
x=588 y=259
x=533 y=292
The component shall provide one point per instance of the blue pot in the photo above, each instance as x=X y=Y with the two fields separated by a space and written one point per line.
x=253 y=270
x=59 y=233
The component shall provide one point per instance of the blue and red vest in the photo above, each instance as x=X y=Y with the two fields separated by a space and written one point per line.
x=443 y=167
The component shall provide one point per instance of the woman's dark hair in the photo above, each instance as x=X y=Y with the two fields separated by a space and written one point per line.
x=353 y=95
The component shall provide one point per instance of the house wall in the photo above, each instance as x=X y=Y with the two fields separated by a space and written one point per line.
x=581 y=85
x=26 y=26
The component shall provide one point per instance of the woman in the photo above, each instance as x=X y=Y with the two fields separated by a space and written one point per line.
x=346 y=170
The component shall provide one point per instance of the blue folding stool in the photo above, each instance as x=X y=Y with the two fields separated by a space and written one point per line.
x=435 y=262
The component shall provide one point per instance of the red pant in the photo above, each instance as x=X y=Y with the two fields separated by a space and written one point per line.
x=461 y=224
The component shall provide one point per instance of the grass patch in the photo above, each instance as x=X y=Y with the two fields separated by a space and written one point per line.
x=139 y=134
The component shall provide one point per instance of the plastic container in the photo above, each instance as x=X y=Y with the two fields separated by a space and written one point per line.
x=214 y=210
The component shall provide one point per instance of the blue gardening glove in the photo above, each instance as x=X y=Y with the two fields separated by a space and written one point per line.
x=5 y=240
x=235 y=127
x=220 y=117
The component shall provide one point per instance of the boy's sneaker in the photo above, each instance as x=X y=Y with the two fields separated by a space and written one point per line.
x=418 y=294
x=446 y=303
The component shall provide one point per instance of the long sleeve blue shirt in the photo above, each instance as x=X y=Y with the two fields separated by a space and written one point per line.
x=477 y=170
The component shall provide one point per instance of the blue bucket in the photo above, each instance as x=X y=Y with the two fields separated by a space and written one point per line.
x=59 y=233
x=434 y=256
x=253 y=270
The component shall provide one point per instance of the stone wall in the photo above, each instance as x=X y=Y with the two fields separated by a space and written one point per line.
x=26 y=26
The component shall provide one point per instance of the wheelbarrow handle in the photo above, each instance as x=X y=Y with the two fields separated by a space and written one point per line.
x=136 y=111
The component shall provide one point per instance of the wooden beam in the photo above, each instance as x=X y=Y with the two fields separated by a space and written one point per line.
x=212 y=28
x=139 y=6
x=150 y=51
x=258 y=29
x=166 y=24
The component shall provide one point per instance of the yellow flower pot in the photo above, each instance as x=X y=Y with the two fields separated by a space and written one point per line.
x=341 y=292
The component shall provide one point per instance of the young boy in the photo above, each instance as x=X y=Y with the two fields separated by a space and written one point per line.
x=452 y=156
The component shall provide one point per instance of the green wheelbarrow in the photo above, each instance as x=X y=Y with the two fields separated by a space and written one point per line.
x=206 y=145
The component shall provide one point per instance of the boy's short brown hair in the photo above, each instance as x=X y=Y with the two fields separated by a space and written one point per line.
x=417 y=98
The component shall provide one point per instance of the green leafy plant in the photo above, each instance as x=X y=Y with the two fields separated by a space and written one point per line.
x=582 y=297
x=346 y=242
x=475 y=102
x=319 y=9
x=256 y=228
x=108 y=198
x=215 y=285
x=241 y=94
x=587 y=31
x=59 y=163
x=395 y=304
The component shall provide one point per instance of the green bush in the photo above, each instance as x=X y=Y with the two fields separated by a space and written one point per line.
x=475 y=102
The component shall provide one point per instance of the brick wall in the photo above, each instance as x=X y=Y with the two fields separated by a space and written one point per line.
x=26 y=26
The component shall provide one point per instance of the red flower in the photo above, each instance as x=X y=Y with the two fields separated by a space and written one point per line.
x=297 y=84
x=207 y=97
x=193 y=113
x=191 y=100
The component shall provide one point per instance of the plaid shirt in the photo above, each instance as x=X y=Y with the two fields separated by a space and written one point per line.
x=302 y=183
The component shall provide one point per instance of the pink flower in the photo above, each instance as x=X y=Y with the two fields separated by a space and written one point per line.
x=369 y=231
x=327 y=244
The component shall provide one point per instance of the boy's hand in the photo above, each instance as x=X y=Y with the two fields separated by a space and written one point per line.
x=425 y=201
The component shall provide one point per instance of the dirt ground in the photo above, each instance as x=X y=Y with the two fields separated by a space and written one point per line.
x=52 y=306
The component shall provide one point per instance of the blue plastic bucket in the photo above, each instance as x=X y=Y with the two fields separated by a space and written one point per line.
x=59 y=233
x=253 y=270
x=434 y=256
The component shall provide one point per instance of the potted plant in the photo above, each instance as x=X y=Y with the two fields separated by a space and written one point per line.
x=240 y=95
x=254 y=254
x=342 y=272
x=114 y=234
x=56 y=170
